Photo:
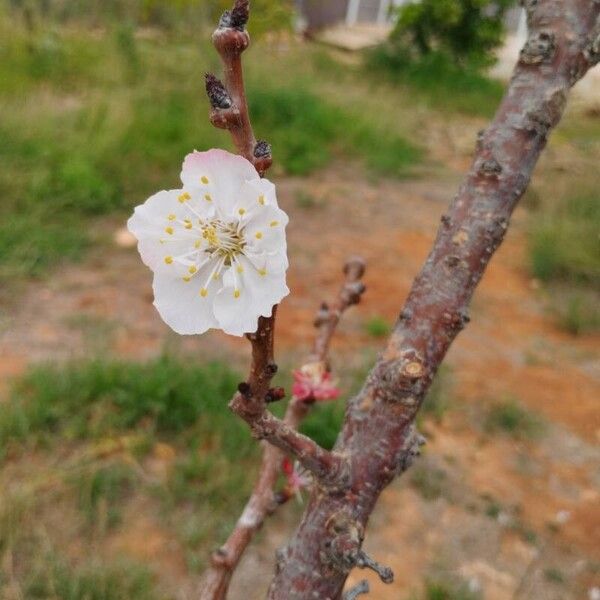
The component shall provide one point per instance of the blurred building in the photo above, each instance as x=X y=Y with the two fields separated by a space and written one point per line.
x=316 y=15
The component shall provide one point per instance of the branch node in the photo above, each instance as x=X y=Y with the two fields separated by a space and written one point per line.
x=217 y=93
x=274 y=395
x=240 y=14
x=540 y=47
x=244 y=389
x=364 y=561
x=355 y=267
x=357 y=590
x=490 y=168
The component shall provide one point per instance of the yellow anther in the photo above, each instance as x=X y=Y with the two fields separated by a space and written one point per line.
x=169 y=260
x=240 y=269
x=216 y=276
x=204 y=179
x=187 y=279
x=171 y=217
x=188 y=225
x=261 y=200
x=258 y=235
x=262 y=272
x=204 y=292
x=192 y=270
x=236 y=293
x=183 y=197
x=274 y=223
x=197 y=244
x=242 y=211
x=169 y=230
x=208 y=197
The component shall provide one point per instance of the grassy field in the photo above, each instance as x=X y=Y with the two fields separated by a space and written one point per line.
x=96 y=120
x=97 y=114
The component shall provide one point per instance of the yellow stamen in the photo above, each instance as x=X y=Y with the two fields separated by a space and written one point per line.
x=236 y=294
x=274 y=223
x=171 y=217
x=258 y=235
x=197 y=244
x=261 y=200
x=183 y=197
x=204 y=292
x=204 y=179
x=242 y=211
x=240 y=269
x=208 y=197
x=169 y=230
x=188 y=225
x=216 y=276
x=187 y=279
x=192 y=270
x=169 y=260
x=262 y=272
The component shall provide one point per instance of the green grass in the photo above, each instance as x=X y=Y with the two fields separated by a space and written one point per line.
x=577 y=310
x=53 y=578
x=440 y=395
x=437 y=81
x=94 y=399
x=95 y=445
x=565 y=245
x=510 y=418
x=436 y=590
x=446 y=588
x=378 y=327
x=94 y=124
x=429 y=481
x=565 y=255
x=307 y=130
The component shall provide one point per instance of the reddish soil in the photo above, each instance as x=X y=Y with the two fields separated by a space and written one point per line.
x=512 y=348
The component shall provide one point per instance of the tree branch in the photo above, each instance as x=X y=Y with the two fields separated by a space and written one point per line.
x=263 y=502
x=376 y=436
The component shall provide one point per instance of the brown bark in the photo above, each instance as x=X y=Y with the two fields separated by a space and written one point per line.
x=377 y=438
x=263 y=502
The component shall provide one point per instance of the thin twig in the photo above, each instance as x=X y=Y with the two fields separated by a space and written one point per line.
x=564 y=43
x=263 y=502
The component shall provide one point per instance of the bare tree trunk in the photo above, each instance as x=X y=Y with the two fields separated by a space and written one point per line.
x=378 y=439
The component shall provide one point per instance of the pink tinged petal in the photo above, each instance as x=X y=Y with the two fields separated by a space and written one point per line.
x=314 y=384
x=181 y=304
x=217 y=173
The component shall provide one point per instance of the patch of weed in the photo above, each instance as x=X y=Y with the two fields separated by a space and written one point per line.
x=429 y=481
x=438 y=81
x=510 y=418
x=378 y=327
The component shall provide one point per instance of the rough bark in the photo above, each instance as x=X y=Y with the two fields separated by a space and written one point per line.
x=378 y=441
x=263 y=500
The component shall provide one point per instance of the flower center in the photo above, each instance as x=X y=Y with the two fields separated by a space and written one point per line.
x=224 y=239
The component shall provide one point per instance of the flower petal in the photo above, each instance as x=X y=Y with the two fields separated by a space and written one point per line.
x=238 y=314
x=265 y=231
x=219 y=174
x=182 y=305
x=158 y=225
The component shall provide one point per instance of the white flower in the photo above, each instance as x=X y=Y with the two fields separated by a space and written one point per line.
x=217 y=247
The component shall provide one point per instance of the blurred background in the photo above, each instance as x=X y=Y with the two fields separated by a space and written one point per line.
x=120 y=465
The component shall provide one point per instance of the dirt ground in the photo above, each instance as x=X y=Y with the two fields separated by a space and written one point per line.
x=515 y=519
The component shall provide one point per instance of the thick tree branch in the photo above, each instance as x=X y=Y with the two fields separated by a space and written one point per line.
x=563 y=44
x=263 y=501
